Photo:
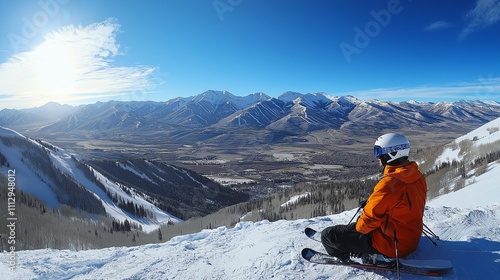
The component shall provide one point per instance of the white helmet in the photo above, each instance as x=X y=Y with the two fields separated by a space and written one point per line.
x=394 y=145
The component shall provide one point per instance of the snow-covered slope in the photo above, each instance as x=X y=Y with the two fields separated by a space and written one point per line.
x=485 y=135
x=484 y=190
x=26 y=178
x=31 y=179
x=264 y=250
x=468 y=224
x=467 y=148
x=467 y=221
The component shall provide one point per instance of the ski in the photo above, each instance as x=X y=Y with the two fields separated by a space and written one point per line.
x=418 y=267
x=433 y=267
x=313 y=234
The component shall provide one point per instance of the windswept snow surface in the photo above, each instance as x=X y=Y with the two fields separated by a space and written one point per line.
x=470 y=239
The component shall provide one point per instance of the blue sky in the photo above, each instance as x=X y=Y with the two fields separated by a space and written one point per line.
x=75 y=51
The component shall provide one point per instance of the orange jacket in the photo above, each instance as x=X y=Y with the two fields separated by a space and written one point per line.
x=397 y=203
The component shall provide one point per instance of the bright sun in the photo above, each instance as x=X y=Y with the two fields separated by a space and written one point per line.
x=55 y=71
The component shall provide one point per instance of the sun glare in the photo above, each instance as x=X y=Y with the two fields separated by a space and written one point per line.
x=55 y=71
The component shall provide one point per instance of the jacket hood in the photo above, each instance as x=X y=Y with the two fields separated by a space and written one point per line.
x=407 y=172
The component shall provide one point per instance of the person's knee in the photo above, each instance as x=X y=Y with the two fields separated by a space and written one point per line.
x=329 y=234
x=325 y=234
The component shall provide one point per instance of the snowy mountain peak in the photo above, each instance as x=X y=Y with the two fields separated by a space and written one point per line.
x=257 y=97
x=289 y=96
x=218 y=98
x=218 y=108
x=309 y=99
x=214 y=96
x=336 y=98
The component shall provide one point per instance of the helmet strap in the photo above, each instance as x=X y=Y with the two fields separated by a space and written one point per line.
x=384 y=159
x=387 y=159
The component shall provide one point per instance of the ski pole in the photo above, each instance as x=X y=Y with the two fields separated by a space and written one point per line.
x=355 y=214
x=428 y=230
x=430 y=239
x=362 y=204
x=397 y=257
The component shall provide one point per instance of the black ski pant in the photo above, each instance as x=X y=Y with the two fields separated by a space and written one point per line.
x=340 y=240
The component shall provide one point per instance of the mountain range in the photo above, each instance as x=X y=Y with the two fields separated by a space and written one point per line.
x=246 y=137
x=213 y=113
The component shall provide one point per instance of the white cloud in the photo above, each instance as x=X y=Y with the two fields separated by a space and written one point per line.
x=482 y=89
x=438 y=25
x=73 y=63
x=484 y=14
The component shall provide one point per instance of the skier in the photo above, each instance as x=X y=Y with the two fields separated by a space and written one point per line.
x=392 y=218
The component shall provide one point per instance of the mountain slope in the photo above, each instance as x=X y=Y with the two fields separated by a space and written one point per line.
x=57 y=177
x=467 y=221
x=48 y=113
x=178 y=191
x=148 y=193
x=221 y=110
x=470 y=239
x=473 y=144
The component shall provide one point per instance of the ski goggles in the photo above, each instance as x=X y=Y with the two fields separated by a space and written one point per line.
x=378 y=151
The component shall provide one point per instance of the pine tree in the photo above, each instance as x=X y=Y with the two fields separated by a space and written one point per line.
x=160 y=237
x=126 y=226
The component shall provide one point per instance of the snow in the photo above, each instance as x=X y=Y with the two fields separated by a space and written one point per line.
x=295 y=199
x=131 y=168
x=486 y=134
x=227 y=181
x=66 y=164
x=265 y=250
x=217 y=98
x=483 y=192
x=27 y=179
x=325 y=166
x=7 y=132
x=467 y=221
x=34 y=182
x=283 y=156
